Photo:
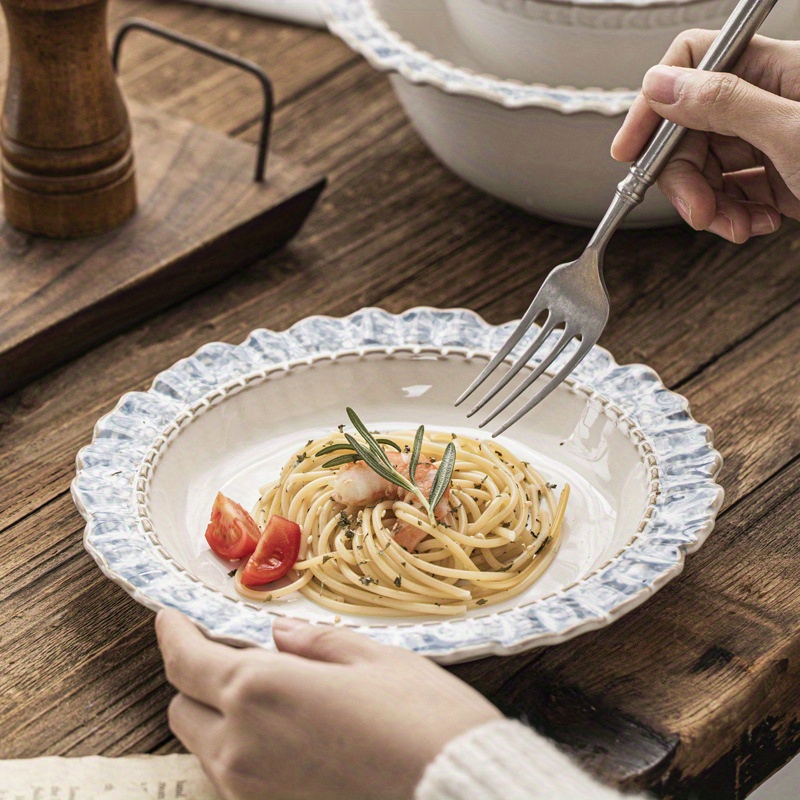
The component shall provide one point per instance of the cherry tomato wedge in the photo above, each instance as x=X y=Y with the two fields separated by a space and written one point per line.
x=232 y=533
x=275 y=554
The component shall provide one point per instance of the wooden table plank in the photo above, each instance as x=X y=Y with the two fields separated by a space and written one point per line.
x=200 y=217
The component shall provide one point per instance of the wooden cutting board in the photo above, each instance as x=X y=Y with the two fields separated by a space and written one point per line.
x=200 y=217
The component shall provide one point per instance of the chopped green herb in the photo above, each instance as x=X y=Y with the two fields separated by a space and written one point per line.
x=366 y=580
x=327 y=557
x=482 y=602
x=397 y=581
x=232 y=573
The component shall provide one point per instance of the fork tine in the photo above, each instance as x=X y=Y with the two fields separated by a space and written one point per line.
x=547 y=328
x=565 y=339
x=586 y=346
x=534 y=309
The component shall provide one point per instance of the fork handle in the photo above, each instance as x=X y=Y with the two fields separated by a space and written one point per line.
x=724 y=52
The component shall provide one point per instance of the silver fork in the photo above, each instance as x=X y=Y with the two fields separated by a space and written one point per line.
x=574 y=294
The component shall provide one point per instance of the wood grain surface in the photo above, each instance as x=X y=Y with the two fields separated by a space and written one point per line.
x=694 y=694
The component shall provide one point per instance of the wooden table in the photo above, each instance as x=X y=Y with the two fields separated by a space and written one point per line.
x=695 y=694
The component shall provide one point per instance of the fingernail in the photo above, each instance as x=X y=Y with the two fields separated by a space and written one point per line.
x=723 y=226
x=288 y=624
x=762 y=223
x=663 y=84
x=683 y=208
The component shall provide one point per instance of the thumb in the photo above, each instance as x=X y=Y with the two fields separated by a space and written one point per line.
x=726 y=104
x=323 y=642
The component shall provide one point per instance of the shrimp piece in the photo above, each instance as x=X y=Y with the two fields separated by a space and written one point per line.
x=357 y=484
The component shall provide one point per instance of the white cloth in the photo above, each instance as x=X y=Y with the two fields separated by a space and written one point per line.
x=303 y=12
x=506 y=760
x=169 y=777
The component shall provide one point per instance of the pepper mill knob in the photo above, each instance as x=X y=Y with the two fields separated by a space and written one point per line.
x=67 y=160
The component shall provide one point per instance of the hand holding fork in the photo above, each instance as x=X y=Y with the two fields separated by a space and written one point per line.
x=574 y=294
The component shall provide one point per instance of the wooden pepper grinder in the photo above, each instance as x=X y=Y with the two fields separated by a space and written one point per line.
x=65 y=136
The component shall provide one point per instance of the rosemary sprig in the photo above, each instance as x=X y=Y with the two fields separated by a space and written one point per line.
x=416 y=450
x=374 y=456
x=332 y=448
x=442 y=479
x=350 y=456
x=339 y=461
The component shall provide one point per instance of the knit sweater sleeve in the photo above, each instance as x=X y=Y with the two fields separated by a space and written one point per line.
x=506 y=760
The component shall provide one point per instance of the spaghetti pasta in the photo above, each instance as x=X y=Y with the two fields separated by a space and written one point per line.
x=495 y=532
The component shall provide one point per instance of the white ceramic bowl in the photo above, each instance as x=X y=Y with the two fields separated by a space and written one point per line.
x=578 y=42
x=541 y=148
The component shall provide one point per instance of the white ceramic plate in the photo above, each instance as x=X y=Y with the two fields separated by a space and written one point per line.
x=641 y=470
